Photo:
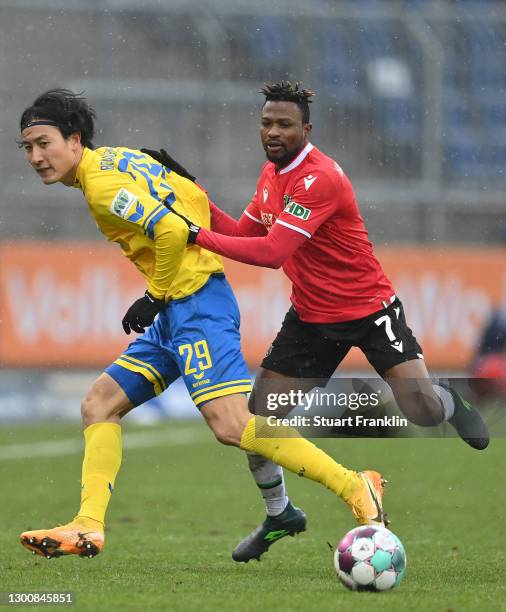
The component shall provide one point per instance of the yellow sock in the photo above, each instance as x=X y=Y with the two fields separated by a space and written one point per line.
x=297 y=454
x=102 y=460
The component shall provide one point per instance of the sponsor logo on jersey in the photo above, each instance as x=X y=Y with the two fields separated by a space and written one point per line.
x=297 y=210
x=201 y=382
x=122 y=203
x=309 y=180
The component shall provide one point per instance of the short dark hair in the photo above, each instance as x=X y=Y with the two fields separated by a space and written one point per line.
x=286 y=92
x=68 y=111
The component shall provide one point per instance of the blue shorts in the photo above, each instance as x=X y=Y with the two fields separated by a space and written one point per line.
x=196 y=337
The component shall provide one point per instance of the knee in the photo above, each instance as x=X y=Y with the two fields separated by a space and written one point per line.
x=90 y=408
x=226 y=433
x=227 y=417
x=95 y=406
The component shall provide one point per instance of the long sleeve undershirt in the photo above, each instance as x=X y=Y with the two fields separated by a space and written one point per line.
x=221 y=223
x=269 y=251
x=170 y=244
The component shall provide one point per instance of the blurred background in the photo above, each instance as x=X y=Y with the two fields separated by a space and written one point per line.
x=411 y=101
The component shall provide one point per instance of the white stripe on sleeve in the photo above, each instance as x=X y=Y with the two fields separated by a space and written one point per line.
x=252 y=217
x=294 y=227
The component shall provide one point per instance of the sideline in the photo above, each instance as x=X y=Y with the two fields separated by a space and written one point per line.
x=179 y=436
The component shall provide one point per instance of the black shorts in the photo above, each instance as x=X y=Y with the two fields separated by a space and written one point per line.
x=314 y=350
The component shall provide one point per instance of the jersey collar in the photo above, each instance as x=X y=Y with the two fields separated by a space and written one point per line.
x=86 y=157
x=298 y=160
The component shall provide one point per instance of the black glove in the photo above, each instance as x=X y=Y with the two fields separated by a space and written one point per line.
x=142 y=313
x=166 y=160
x=193 y=229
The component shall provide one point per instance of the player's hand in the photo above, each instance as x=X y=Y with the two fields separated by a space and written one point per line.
x=193 y=229
x=166 y=160
x=142 y=313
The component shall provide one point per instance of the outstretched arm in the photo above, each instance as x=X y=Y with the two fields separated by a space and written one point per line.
x=269 y=251
x=307 y=209
x=222 y=223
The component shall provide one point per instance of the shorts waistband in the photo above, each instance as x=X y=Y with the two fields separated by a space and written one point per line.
x=188 y=297
x=391 y=301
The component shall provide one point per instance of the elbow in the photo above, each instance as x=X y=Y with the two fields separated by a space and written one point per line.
x=275 y=263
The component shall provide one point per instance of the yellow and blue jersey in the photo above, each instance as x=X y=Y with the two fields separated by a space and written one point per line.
x=196 y=336
x=130 y=195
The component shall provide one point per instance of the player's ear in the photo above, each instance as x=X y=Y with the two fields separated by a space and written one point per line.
x=307 y=128
x=75 y=140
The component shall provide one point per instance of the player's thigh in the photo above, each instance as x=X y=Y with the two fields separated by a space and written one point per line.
x=299 y=359
x=387 y=341
x=146 y=368
x=105 y=401
x=206 y=344
x=392 y=349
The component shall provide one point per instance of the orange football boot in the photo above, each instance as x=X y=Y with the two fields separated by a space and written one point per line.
x=71 y=539
x=366 y=502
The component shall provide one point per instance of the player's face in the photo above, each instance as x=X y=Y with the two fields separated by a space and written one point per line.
x=53 y=157
x=282 y=132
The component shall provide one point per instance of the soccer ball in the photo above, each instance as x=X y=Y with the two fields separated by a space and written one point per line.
x=370 y=558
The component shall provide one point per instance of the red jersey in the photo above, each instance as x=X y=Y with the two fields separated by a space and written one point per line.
x=334 y=273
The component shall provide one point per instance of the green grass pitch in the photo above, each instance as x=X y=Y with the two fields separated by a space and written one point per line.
x=179 y=509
